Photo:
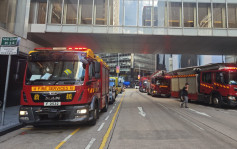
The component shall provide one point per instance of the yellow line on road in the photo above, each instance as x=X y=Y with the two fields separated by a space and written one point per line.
x=65 y=140
x=106 y=136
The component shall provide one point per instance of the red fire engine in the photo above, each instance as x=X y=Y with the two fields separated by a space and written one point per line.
x=143 y=84
x=214 y=83
x=62 y=86
x=159 y=84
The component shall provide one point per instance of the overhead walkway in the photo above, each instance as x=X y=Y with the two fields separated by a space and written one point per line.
x=134 y=26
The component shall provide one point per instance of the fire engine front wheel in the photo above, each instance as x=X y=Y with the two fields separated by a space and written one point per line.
x=216 y=100
x=95 y=114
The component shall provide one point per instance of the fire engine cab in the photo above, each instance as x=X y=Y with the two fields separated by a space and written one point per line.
x=63 y=86
x=214 y=83
x=159 y=84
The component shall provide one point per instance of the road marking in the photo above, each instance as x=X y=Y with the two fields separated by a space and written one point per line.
x=191 y=123
x=201 y=113
x=107 y=118
x=113 y=107
x=106 y=136
x=90 y=143
x=163 y=106
x=101 y=126
x=232 y=110
x=110 y=111
x=29 y=128
x=142 y=113
x=67 y=138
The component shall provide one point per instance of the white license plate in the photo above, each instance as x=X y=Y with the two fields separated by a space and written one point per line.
x=163 y=94
x=52 y=103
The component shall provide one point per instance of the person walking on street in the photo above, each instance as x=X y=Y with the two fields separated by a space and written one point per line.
x=185 y=96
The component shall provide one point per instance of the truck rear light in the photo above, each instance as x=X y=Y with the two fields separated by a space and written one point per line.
x=24 y=97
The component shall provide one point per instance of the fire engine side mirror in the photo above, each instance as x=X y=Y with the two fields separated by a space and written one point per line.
x=97 y=67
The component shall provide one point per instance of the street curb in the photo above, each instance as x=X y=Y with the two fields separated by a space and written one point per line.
x=10 y=129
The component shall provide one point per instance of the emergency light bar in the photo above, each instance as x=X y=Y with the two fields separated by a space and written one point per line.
x=51 y=48
x=59 y=48
x=228 y=68
x=76 y=48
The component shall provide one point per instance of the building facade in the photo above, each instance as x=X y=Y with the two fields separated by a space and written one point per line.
x=131 y=65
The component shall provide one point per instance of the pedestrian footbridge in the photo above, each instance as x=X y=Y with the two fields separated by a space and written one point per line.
x=135 y=26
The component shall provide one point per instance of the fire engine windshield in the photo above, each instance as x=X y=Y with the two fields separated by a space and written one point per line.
x=55 y=71
x=163 y=82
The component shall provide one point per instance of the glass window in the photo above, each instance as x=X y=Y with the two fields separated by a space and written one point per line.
x=86 y=11
x=145 y=8
x=232 y=15
x=130 y=7
x=160 y=13
x=206 y=77
x=38 y=12
x=190 y=14
x=3 y=13
x=32 y=12
x=42 y=12
x=101 y=12
x=55 y=11
x=8 y=14
x=232 y=78
x=219 y=16
x=111 y=13
x=70 y=12
x=175 y=11
x=204 y=15
x=222 y=77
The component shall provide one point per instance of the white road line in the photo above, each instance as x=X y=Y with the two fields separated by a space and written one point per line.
x=90 y=143
x=224 y=111
x=201 y=113
x=191 y=123
x=110 y=111
x=101 y=126
x=107 y=118
x=163 y=106
x=68 y=137
x=142 y=113
x=232 y=110
x=113 y=107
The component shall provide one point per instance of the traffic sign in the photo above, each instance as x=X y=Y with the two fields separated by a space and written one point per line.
x=8 y=50
x=117 y=69
x=10 y=41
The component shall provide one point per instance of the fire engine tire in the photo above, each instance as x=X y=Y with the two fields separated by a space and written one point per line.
x=105 y=109
x=95 y=117
x=217 y=101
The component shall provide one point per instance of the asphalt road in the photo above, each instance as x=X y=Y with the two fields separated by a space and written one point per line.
x=138 y=121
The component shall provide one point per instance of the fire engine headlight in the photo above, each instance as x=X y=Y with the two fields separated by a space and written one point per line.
x=231 y=97
x=23 y=113
x=82 y=111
